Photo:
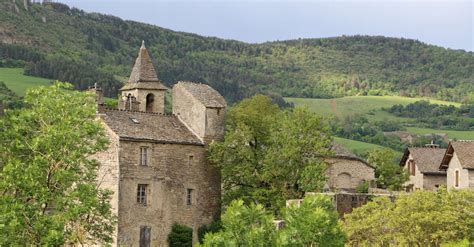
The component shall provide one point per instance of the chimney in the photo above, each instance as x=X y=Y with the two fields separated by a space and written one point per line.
x=99 y=98
x=432 y=145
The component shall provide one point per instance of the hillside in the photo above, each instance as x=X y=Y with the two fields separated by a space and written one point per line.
x=55 y=41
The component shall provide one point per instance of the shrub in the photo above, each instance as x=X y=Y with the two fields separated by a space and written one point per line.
x=180 y=236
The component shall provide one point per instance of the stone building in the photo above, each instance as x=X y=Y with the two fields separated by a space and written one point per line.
x=422 y=163
x=156 y=163
x=458 y=162
x=346 y=171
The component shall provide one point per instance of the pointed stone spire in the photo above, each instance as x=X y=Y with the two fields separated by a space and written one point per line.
x=143 y=72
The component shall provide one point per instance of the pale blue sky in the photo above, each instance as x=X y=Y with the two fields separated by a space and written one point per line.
x=444 y=23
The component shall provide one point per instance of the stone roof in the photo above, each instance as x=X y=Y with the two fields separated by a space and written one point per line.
x=342 y=153
x=143 y=74
x=146 y=126
x=464 y=151
x=427 y=159
x=205 y=94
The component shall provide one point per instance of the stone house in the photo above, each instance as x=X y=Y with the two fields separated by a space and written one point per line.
x=346 y=171
x=422 y=163
x=156 y=163
x=458 y=162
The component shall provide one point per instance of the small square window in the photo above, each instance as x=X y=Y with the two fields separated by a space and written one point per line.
x=189 y=197
x=144 y=154
x=142 y=193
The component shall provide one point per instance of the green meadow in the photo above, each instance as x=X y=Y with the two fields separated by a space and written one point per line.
x=19 y=83
x=359 y=147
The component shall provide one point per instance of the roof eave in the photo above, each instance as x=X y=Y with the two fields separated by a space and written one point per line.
x=123 y=138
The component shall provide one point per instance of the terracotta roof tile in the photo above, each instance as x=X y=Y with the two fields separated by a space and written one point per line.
x=205 y=94
x=147 y=126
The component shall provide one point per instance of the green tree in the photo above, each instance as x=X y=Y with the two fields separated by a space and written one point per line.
x=244 y=226
x=313 y=223
x=269 y=155
x=421 y=218
x=47 y=178
x=180 y=236
x=388 y=174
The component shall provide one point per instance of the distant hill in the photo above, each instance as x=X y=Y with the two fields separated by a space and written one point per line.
x=58 y=42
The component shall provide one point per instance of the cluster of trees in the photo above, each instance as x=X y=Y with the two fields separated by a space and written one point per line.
x=321 y=68
x=48 y=185
x=313 y=223
x=421 y=218
x=358 y=127
x=437 y=116
x=270 y=155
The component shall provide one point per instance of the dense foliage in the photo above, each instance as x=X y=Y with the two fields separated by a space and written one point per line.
x=9 y=98
x=47 y=177
x=358 y=127
x=388 y=173
x=103 y=45
x=421 y=218
x=270 y=155
x=180 y=236
x=437 y=116
x=314 y=223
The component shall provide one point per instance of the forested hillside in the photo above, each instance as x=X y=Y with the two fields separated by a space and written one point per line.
x=58 y=42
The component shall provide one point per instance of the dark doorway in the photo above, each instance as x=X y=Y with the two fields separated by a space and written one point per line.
x=145 y=232
x=149 y=102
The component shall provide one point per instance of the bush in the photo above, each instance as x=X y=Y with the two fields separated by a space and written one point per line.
x=215 y=226
x=180 y=236
x=363 y=187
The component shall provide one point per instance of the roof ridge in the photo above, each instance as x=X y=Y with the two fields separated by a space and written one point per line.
x=142 y=112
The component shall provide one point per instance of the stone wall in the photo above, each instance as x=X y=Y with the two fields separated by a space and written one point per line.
x=346 y=174
x=189 y=110
x=171 y=171
x=414 y=181
x=432 y=181
x=108 y=173
x=455 y=165
x=215 y=122
x=140 y=94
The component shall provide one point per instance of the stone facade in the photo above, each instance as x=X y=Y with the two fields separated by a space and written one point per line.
x=156 y=164
x=346 y=173
x=422 y=164
x=466 y=177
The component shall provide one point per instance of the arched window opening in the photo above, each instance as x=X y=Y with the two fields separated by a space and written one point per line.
x=149 y=102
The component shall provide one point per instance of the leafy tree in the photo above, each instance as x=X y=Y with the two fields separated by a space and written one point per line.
x=313 y=223
x=214 y=226
x=47 y=178
x=270 y=155
x=388 y=174
x=180 y=236
x=244 y=226
x=421 y=218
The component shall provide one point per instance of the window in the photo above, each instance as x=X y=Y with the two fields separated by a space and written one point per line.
x=456 y=178
x=141 y=193
x=189 y=197
x=144 y=156
x=145 y=232
x=412 y=168
x=190 y=160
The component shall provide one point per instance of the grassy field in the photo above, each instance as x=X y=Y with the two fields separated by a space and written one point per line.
x=358 y=147
x=18 y=83
x=453 y=134
x=368 y=105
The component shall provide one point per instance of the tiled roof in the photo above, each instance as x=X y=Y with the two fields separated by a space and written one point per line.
x=143 y=74
x=342 y=153
x=145 y=126
x=427 y=159
x=205 y=94
x=464 y=151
